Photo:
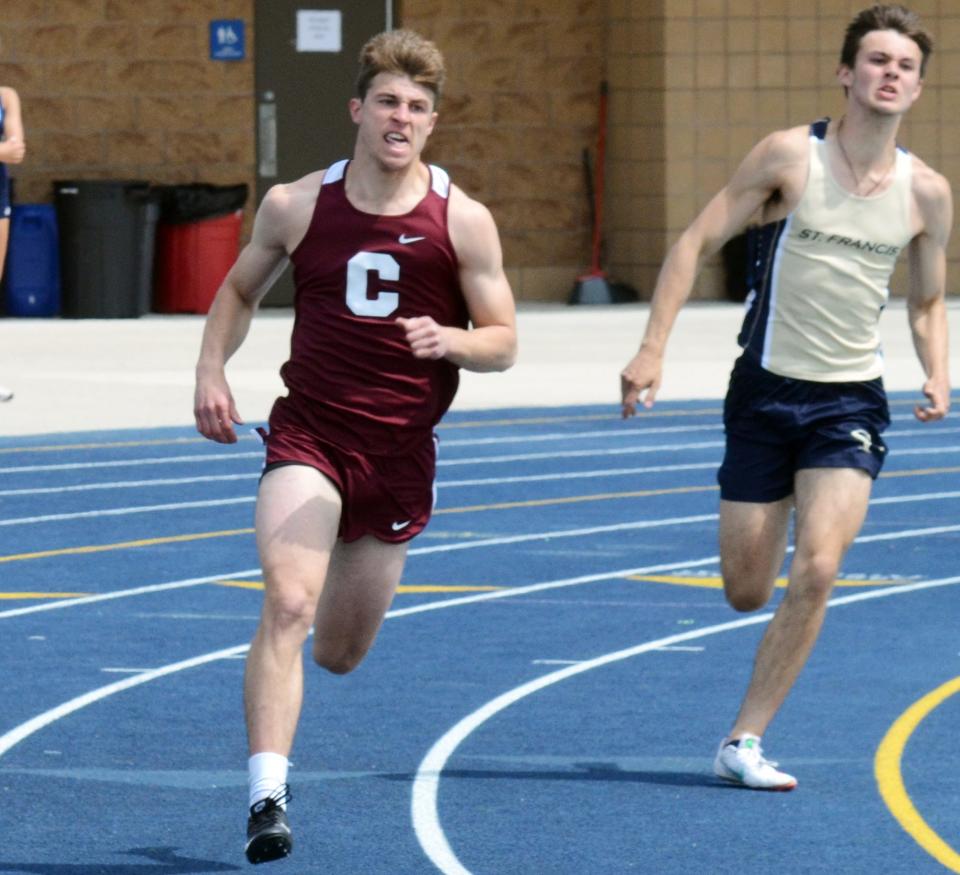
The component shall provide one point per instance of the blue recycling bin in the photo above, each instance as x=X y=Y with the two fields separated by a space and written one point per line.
x=32 y=274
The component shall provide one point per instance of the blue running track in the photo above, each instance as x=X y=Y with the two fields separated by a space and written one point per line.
x=544 y=699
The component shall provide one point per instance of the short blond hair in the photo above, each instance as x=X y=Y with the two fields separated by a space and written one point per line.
x=404 y=53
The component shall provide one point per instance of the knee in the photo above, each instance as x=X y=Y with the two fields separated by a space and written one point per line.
x=288 y=612
x=746 y=600
x=746 y=589
x=337 y=658
x=813 y=576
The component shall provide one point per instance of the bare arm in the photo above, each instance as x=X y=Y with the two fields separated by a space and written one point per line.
x=491 y=344
x=229 y=318
x=926 y=305
x=773 y=165
x=13 y=148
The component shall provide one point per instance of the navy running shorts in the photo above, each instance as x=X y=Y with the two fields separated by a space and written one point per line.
x=776 y=425
x=389 y=497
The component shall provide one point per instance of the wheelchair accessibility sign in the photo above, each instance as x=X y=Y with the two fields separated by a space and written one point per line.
x=227 y=40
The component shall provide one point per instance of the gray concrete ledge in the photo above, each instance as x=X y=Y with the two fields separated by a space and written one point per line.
x=79 y=375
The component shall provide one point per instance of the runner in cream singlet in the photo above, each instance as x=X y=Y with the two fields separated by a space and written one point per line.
x=818 y=279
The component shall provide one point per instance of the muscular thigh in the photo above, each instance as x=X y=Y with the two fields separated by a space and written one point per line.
x=361 y=583
x=831 y=507
x=753 y=543
x=298 y=511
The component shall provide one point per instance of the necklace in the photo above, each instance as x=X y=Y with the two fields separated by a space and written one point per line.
x=853 y=173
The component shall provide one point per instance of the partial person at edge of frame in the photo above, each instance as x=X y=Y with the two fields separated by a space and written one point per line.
x=13 y=149
x=351 y=451
x=838 y=202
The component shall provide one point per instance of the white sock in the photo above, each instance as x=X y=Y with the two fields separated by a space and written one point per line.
x=267 y=773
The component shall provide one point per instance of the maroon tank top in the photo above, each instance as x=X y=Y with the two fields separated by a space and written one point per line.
x=354 y=274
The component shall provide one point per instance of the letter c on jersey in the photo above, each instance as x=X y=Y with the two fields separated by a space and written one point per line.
x=358 y=267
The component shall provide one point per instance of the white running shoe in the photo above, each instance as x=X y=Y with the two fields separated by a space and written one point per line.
x=744 y=764
x=6 y=394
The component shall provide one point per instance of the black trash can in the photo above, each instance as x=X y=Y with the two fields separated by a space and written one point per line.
x=107 y=230
x=194 y=201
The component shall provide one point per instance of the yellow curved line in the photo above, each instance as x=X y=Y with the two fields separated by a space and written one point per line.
x=886 y=766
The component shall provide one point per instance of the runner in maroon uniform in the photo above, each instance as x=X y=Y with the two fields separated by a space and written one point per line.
x=400 y=283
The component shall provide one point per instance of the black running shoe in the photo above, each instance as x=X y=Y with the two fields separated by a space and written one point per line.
x=268 y=833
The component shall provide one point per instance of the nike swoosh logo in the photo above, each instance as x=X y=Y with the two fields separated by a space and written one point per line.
x=399 y=527
x=403 y=238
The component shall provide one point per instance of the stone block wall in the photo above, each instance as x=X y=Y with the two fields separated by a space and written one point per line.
x=125 y=89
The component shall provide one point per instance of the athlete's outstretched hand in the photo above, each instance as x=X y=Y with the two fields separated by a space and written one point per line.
x=642 y=374
x=939 y=397
x=427 y=339
x=214 y=409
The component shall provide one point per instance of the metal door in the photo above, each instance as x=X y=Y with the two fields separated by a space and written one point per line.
x=305 y=66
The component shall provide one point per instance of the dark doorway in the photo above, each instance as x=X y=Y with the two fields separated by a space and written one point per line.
x=305 y=64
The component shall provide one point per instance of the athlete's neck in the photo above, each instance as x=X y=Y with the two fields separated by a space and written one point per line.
x=384 y=191
x=868 y=138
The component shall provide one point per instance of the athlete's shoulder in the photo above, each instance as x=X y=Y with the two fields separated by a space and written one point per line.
x=289 y=195
x=927 y=182
x=785 y=146
x=933 y=198
x=465 y=209
x=286 y=209
x=778 y=162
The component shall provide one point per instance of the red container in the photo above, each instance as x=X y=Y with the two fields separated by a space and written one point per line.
x=191 y=261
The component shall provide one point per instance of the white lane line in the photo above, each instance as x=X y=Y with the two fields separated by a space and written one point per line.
x=618 y=472
x=634 y=434
x=19 y=733
x=614 y=432
x=578 y=454
x=127 y=593
x=924 y=451
x=25 y=730
x=164 y=460
x=125 y=511
x=442 y=484
x=425 y=790
x=423 y=806
x=501 y=541
x=417 y=551
x=563 y=533
x=249 y=499
x=129 y=484
x=575 y=475
x=131 y=463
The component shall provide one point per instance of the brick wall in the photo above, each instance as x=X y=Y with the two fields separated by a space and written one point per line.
x=713 y=77
x=124 y=89
x=521 y=105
